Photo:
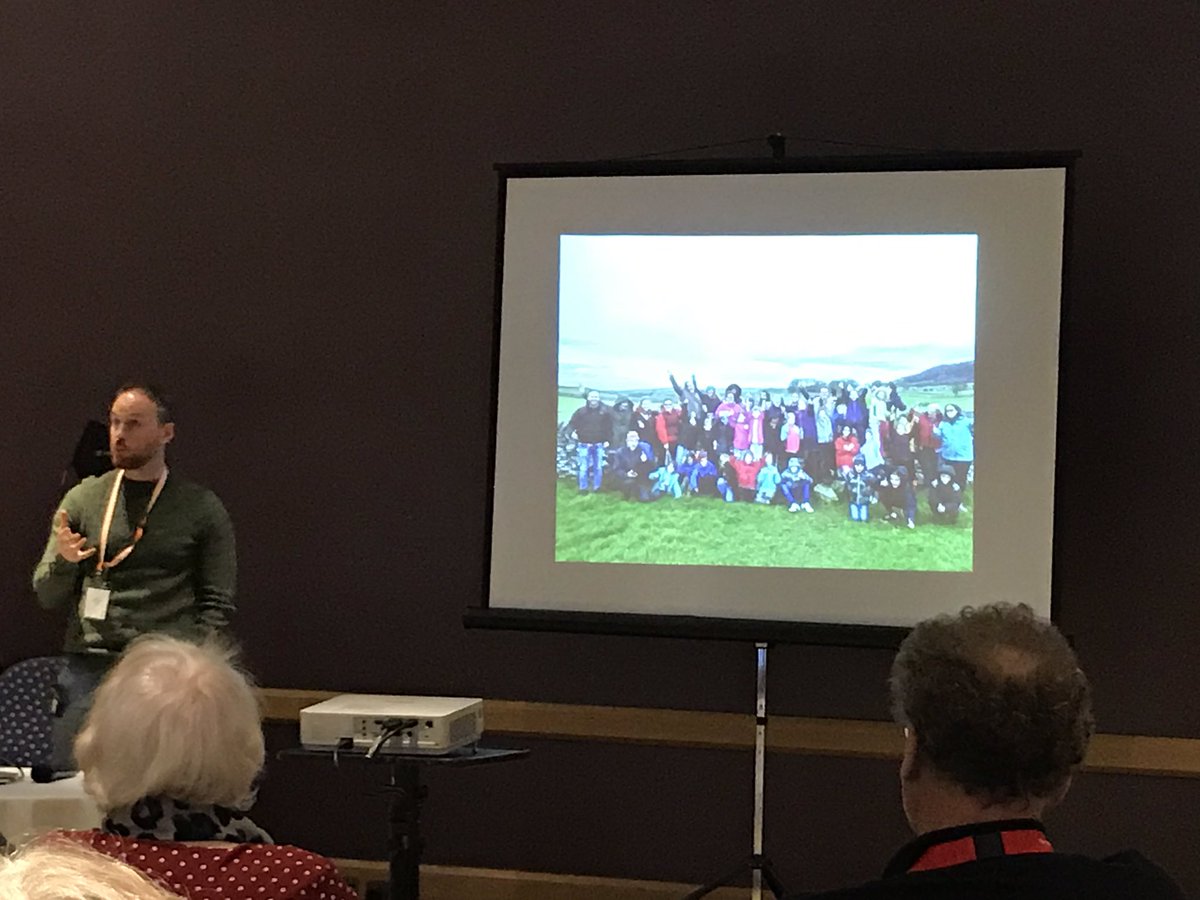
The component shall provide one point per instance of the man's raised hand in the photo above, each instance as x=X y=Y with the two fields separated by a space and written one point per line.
x=70 y=544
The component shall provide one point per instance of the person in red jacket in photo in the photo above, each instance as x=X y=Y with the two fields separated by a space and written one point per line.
x=747 y=468
x=667 y=428
x=927 y=441
x=845 y=448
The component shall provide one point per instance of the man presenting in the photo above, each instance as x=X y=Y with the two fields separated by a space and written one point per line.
x=997 y=717
x=132 y=552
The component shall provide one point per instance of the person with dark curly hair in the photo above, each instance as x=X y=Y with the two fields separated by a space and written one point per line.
x=997 y=717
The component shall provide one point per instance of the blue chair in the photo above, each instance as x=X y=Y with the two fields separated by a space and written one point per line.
x=26 y=710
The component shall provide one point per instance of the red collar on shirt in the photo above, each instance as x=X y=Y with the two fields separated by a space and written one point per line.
x=984 y=845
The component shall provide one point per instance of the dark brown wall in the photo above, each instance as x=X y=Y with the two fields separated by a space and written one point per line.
x=286 y=213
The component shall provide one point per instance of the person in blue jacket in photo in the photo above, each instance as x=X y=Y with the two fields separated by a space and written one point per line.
x=796 y=486
x=768 y=480
x=698 y=475
x=958 y=442
x=665 y=480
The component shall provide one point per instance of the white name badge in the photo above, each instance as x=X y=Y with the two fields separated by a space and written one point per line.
x=95 y=603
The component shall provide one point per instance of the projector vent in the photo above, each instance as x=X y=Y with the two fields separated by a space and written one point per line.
x=463 y=728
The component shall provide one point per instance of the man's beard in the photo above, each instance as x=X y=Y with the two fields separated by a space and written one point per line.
x=127 y=459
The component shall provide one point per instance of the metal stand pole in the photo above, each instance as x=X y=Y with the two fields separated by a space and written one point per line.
x=405 y=843
x=760 y=762
x=760 y=867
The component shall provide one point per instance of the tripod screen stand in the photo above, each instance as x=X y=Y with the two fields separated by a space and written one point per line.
x=761 y=871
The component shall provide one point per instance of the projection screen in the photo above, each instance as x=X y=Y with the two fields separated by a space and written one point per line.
x=805 y=401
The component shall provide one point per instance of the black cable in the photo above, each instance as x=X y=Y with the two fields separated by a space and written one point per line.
x=859 y=144
x=388 y=729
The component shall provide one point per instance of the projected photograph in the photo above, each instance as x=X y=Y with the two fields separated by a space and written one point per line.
x=788 y=401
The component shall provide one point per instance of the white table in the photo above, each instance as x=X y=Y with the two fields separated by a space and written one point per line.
x=28 y=809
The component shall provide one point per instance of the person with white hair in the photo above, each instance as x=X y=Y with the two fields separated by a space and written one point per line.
x=52 y=869
x=170 y=752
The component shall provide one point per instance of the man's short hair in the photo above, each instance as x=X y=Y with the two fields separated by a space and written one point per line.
x=996 y=699
x=172 y=719
x=56 y=868
x=162 y=404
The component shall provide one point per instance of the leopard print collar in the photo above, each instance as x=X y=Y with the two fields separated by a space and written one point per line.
x=164 y=819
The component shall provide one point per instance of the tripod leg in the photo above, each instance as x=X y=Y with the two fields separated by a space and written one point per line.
x=772 y=880
x=724 y=880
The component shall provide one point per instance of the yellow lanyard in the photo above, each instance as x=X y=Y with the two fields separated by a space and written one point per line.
x=101 y=565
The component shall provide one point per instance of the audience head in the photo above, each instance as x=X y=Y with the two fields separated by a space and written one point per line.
x=172 y=719
x=58 y=869
x=996 y=711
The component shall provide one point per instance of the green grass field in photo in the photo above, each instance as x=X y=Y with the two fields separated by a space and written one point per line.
x=705 y=531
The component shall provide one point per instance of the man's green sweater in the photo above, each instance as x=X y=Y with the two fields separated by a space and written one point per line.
x=179 y=579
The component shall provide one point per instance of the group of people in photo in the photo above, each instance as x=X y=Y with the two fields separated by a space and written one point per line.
x=862 y=443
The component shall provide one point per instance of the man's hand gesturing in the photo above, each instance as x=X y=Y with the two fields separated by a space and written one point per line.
x=70 y=544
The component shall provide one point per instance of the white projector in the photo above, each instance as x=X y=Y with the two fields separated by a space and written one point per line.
x=430 y=725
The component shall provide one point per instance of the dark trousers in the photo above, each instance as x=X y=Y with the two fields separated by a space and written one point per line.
x=635 y=488
x=77 y=682
x=928 y=460
x=960 y=472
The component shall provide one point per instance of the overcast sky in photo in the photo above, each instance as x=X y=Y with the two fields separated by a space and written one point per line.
x=762 y=309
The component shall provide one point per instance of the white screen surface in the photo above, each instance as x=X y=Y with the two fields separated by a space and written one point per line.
x=760 y=280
